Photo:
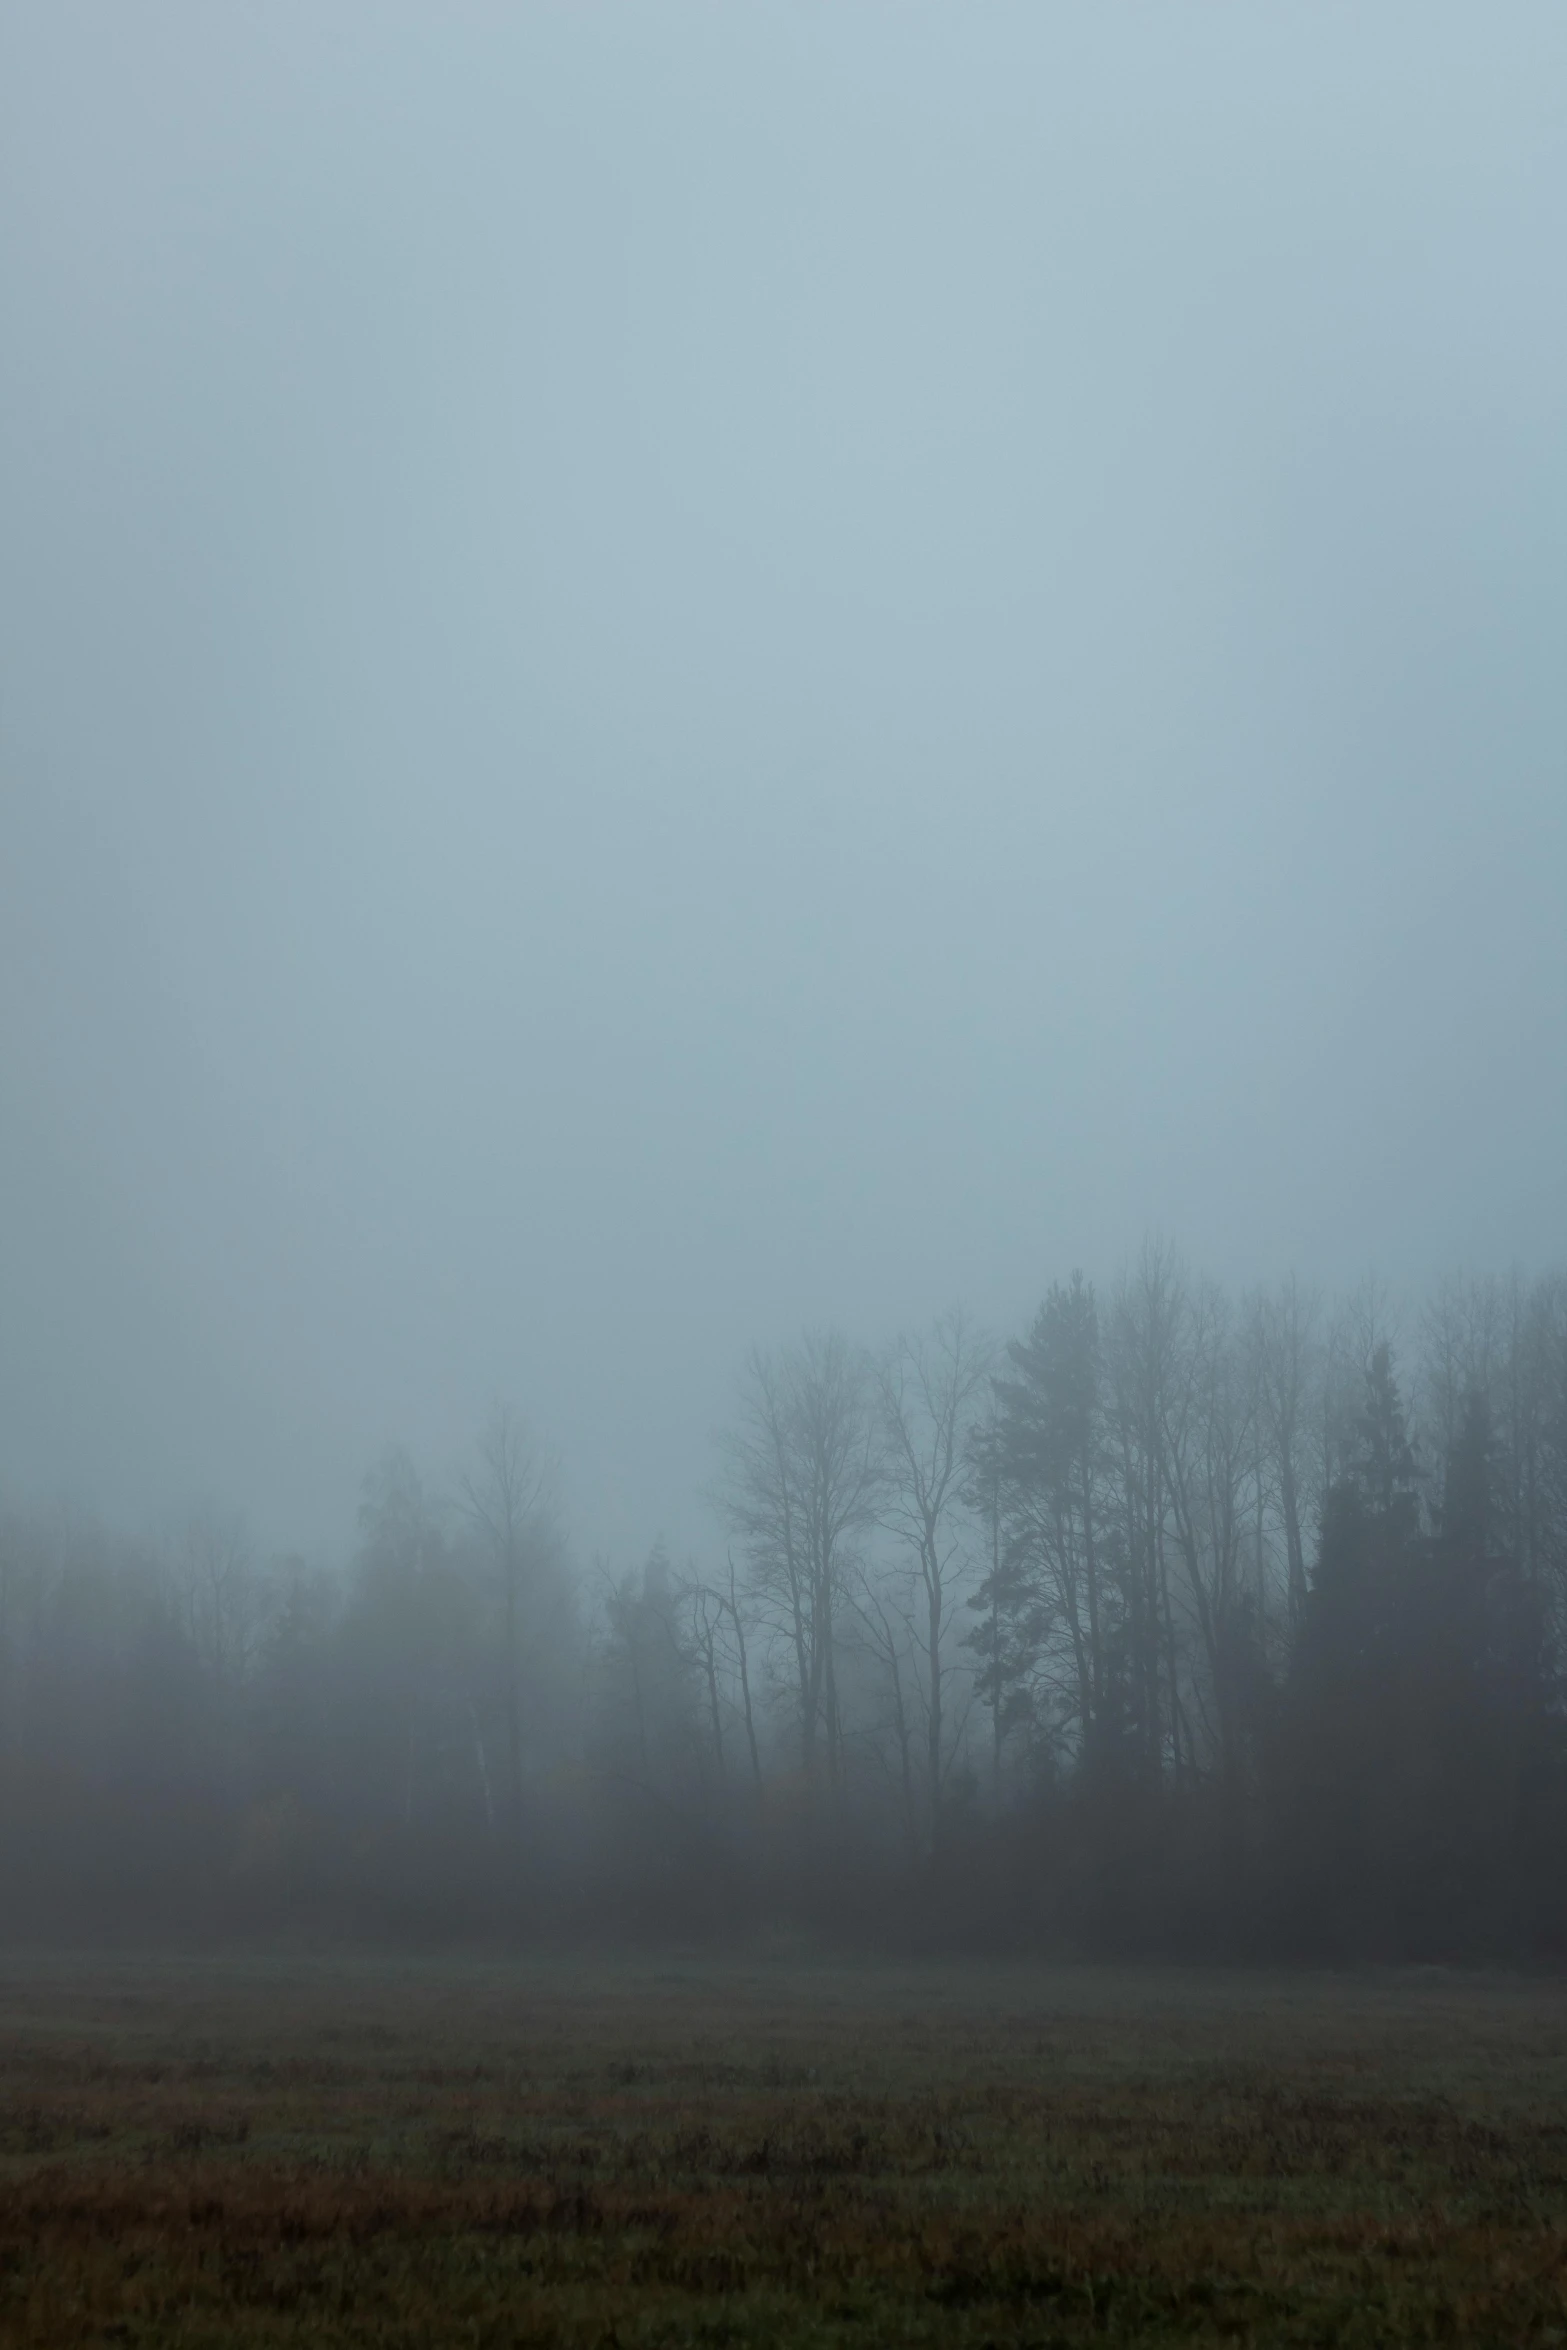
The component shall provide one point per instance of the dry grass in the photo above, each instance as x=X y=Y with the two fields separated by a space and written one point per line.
x=341 y=2150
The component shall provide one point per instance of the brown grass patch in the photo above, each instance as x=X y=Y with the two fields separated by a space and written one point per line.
x=353 y=2151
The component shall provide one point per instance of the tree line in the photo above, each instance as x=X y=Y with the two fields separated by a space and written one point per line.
x=1179 y=1621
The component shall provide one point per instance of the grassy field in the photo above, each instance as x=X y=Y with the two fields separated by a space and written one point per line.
x=340 y=2149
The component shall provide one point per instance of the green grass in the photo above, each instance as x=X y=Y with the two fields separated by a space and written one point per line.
x=344 y=2149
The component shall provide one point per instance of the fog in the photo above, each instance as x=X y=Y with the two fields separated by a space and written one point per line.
x=667 y=676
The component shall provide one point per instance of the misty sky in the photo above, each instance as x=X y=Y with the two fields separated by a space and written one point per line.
x=669 y=672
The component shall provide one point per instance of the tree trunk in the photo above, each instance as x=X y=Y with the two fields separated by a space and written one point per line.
x=933 y=1598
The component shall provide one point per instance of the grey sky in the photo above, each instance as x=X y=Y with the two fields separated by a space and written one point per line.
x=669 y=672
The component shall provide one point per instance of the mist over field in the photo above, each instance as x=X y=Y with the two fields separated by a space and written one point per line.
x=783 y=970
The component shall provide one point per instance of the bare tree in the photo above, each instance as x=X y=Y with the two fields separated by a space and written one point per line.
x=1145 y=1330
x=890 y=1637
x=1209 y=1410
x=716 y=1638
x=705 y=1614
x=731 y=1600
x=1050 y=1440
x=997 y=1673
x=930 y=1388
x=1284 y=1336
x=653 y=1677
x=218 y=1593
x=801 y=1480
x=503 y=1498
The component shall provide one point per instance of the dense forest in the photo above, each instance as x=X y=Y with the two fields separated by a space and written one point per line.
x=1182 y=1621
